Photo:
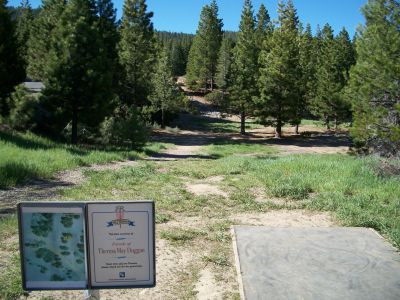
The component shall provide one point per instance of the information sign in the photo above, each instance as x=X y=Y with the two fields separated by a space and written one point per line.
x=53 y=249
x=87 y=245
x=121 y=244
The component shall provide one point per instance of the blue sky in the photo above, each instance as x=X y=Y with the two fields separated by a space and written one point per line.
x=183 y=15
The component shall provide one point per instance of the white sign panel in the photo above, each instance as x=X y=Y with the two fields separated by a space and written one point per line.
x=121 y=244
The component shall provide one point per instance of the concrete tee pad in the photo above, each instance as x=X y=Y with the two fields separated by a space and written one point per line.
x=315 y=263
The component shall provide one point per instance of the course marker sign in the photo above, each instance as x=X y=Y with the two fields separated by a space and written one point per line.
x=87 y=245
x=121 y=244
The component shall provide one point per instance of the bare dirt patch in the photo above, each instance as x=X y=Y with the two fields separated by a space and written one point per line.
x=215 y=179
x=207 y=288
x=288 y=149
x=285 y=218
x=184 y=150
x=204 y=189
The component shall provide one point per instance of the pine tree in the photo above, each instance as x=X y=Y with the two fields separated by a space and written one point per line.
x=244 y=68
x=78 y=74
x=263 y=32
x=224 y=64
x=11 y=63
x=374 y=86
x=328 y=102
x=107 y=27
x=24 y=24
x=166 y=96
x=137 y=52
x=280 y=72
x=346 y=54
x=264 y=27
x=214 y=38
x=308 y=63
x=203 y=56
x=40 y=34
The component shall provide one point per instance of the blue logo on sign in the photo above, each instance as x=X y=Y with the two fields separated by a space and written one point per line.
x=121 y=274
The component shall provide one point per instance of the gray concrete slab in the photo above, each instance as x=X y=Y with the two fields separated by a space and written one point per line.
x=315 y=263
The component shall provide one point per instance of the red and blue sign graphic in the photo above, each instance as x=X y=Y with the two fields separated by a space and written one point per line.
x=120 y=218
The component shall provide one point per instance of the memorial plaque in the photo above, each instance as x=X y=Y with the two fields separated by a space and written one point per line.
x=52 y=243
x=121 y=244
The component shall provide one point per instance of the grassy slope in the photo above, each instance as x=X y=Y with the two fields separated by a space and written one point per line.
x=26 y=156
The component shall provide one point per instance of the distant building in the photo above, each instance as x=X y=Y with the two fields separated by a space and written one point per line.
x=34 y=87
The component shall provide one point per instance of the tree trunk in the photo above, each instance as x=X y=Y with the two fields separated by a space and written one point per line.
x=74 y=134
x=162 y=118
x=242 y=123
x=296 y=129
x=328 y=125
x=212 y=84
x=336 y=123
x=278 y=129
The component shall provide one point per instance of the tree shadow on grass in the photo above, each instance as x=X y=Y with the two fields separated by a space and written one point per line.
x=83 y=150
x=12 y=173
x=23 y=142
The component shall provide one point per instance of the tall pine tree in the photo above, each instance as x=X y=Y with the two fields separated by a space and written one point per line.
x=24 y=24
x=244 y=68
x=280 y=72
x=308 y=63
x=78 y=74
x=374 y=86
x=40 y=35
x=11 y=63
x=203 y=56
x=264 y=26
x=224 y=64
x=328 y=102
x=166 y=96
x=137 y=53
x=107 y=27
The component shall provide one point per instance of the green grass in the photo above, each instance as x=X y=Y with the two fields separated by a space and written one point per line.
x=223 y=149
x=348 y=186
x=345 y=185
x=321 y=124
x=8 y=227
x=222 y=125
x=27 y=156
x=180 y=236
x=10 y=279
x=10 y=276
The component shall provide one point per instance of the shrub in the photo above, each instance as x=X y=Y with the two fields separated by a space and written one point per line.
x=125 y=127
x=218 y=98
x=23 y=109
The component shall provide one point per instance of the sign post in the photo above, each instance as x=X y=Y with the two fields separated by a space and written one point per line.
x=87 y=246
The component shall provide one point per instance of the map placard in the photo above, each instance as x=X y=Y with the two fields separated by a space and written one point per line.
x=52 y=243
x=121 y=244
